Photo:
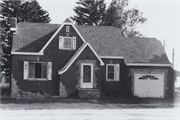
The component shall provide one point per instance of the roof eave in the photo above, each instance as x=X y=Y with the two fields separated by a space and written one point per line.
x=149 y=64
x=63 y=70
x=27 y=53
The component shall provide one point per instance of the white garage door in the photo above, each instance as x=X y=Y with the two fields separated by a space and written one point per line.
x=149 y=85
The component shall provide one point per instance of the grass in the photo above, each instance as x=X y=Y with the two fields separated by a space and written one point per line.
x=50 y=103
x=72 y=103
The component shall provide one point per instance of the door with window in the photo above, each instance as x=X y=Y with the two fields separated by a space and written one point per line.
x=86 y=75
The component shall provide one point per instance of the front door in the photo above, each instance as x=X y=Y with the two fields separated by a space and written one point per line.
x=86 y=75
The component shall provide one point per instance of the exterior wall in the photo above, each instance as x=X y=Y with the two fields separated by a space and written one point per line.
x=70 y=80
x=168 y=78
x=115 y=86
x=51 y=54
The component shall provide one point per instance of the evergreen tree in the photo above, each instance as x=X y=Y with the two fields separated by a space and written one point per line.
x=89 y=12
x=126 y=20
x=5 y=55
x=24 y=11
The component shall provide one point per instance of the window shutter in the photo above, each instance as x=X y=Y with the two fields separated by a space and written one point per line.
x=74 y=43
x=61 y=42
x=26 y=70
x=117 y=72
x=49 y=70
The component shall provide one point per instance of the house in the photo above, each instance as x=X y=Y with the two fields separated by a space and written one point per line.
x=88 y=62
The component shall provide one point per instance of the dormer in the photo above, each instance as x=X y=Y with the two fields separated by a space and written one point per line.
x=67 y=42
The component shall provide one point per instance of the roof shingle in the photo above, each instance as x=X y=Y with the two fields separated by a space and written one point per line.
x=106 y=41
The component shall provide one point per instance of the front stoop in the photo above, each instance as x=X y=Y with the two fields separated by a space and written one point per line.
x=88 y=93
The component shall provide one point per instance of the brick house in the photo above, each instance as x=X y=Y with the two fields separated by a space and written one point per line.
x=88 y=62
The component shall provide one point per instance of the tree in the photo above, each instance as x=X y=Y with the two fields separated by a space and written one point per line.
x=89 y=12
x=5 y=55
x=115 y=15
x=126 y=20
x=24 y=11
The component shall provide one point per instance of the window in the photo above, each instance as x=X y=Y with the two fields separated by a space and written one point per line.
x=37 y=70
x=112 y=72
x=67 y=28
x=146 y=77
x=67 y=43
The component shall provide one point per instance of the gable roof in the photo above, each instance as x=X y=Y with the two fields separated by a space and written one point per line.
x=71 y=61
x=105 y=40
x=31 y=37
x=67 y=21
x=109 y=42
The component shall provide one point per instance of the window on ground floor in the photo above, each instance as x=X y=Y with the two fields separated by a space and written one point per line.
x=37 y=70
x=112 y=72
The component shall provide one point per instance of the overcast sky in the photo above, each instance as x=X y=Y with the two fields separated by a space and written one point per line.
x=162 y=23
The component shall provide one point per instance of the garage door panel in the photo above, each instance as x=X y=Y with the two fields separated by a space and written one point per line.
x=149 y=85
x=141 y=87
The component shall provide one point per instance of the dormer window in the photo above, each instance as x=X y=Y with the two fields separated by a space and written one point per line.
x=67 y=43
x=67 y=28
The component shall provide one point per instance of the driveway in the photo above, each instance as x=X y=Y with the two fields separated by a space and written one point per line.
x=92 y=114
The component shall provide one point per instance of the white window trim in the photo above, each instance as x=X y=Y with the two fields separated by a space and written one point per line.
x=61 y=43
x=67 y=28
x=90 y=84
x=107 y=72
x=37 y=79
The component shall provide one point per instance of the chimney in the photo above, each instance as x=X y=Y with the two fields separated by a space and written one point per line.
x=164 y=44
x=13 y=23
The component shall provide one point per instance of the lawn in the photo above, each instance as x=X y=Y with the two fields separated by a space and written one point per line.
x=50 y=103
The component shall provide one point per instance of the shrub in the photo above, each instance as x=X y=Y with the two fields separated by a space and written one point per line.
x=5 y=91
x=29 y=95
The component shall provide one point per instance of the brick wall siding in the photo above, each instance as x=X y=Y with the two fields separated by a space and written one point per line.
x=71 y=78
x=115 y=86
x=51 y=54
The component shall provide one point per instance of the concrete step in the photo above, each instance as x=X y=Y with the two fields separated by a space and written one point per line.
x=88 y=93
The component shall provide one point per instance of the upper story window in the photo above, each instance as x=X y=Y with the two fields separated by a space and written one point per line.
x=67 y=28
x=37 y=70
x=67 y=43
x=112 y=72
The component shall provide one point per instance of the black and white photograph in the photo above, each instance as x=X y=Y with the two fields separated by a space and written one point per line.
x=90 y=60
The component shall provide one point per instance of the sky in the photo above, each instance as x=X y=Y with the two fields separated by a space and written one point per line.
x=162 y=20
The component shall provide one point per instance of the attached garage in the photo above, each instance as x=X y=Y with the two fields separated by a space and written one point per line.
x=149 y=85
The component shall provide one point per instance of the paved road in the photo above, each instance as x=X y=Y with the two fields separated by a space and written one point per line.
x=123 y=114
